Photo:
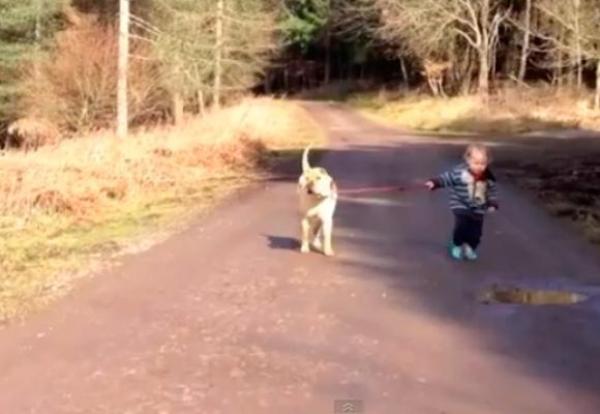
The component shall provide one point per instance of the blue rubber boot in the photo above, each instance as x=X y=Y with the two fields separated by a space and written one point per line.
x=470 y=254
x=456 y=252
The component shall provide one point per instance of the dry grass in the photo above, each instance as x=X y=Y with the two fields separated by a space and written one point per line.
x=63 y=205
x=511 y=110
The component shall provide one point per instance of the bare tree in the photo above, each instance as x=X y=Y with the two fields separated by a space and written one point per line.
x=429 y=29
x=572 y=31
x=209 y=50
x=526 y=38
x=566 y=30
x=122 y=115
x=479 y=23
x=577 y=37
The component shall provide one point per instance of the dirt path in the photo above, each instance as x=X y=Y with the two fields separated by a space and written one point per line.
x=228 y=318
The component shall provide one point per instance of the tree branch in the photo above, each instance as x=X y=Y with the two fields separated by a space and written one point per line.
x=468 y=38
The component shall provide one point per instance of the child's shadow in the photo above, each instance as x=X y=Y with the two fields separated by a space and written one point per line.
x=283 y=243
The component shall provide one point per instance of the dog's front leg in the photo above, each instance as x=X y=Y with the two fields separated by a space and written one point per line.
x=327 y=235
x=305 y=235
x=317 y=234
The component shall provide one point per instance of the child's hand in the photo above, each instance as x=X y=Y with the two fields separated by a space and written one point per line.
x=430 y=185
x=492 y=209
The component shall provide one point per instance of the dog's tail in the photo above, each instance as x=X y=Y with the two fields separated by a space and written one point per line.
x=305 y=163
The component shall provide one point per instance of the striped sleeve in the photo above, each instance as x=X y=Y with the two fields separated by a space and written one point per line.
x=445 y=180
x=492 y=194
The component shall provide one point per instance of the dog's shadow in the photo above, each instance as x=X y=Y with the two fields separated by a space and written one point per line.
x=283 y=243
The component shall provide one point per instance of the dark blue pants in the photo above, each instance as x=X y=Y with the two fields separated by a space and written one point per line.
x=468 y=228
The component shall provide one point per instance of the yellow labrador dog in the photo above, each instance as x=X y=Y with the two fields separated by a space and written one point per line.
x=318 y=199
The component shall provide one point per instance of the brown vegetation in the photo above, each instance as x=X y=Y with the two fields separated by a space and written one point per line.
x=74 y=88
x=61 y=205
x=31 y=133
x=509 y=110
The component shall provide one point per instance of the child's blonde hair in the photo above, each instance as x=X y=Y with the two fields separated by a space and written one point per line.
x=481 y=148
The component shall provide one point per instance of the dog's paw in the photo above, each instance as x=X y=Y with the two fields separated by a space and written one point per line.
x=317 y=244
x=329 y=252
x=305 y=248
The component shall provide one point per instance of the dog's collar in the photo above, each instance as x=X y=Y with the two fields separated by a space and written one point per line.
x=321 y=196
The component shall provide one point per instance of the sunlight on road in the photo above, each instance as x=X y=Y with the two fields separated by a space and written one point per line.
x=387 y=202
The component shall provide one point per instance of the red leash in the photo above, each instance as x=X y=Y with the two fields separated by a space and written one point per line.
x=361 y=190
x=386 y=189
x=416 y=185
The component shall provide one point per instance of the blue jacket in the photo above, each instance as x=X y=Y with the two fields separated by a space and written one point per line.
x=466 y=192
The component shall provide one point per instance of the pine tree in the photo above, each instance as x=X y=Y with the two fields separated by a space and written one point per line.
x=26 y=29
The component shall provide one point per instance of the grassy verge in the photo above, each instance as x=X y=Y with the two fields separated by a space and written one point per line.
x=66 y=210
x=509 y=111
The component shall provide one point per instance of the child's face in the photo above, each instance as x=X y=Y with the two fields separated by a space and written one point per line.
x=477 y=161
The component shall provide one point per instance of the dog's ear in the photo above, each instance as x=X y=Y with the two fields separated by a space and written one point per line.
x=302 y=181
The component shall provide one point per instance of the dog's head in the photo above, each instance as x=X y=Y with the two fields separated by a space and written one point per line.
x=316 y=181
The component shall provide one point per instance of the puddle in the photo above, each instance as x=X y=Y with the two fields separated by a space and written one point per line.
x=530 y=296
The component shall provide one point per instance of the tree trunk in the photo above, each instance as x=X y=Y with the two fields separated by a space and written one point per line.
x=218 y=55
x=526 y=36
x=201 y=103
x=466 y=72
x=38 y=22
x=570 y=77
x=578 y=46
x=340 y=63
x=177 y=108
x=492 y=59
x=569 y=60
x=484 y=50
x=122 y=115
x=327 y=76
x=38 y=40
x=433 y=86
x=404 y=72
x=484 y=70
x=268 y=80
x=454 y=73
x=597 y=97
x=558 y=72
